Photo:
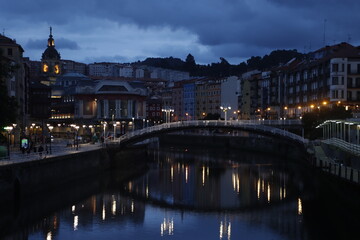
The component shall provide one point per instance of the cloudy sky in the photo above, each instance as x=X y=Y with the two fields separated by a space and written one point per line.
x=131 y=30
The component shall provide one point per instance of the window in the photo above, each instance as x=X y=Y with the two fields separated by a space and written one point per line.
x=9 y=52
x=335 y=81
x=349 y=82
x=349 y=95
x=349 y=68
x=335 y=67
x=334 y=94
x=357 y=83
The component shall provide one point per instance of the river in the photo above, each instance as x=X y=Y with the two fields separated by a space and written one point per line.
x=198 y=194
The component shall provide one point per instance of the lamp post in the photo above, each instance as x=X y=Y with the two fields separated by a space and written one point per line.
x=225 y=109
x=168 y=111
x=104 y=124
x=133 y=123
x=77 y=137
x=14 y=125
x=50 y=129
x=114 y=124
x=8 y=129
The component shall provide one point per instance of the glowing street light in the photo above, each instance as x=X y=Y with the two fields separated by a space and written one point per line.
x=225 y=109
x=8 y=129
x=50 y=129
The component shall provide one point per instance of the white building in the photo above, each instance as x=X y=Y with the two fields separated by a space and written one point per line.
x=126 y=71
x=230 y=89
x=104 y=69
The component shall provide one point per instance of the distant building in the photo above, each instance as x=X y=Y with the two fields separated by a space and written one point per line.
x=153 y=110
x=69 y=66
x=104 y=69
x=126 y=71
x=230 y=88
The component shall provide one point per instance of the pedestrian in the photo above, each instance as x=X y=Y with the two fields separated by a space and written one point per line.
x=40 y=150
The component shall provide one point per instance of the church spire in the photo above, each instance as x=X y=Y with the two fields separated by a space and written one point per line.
x=51 y=41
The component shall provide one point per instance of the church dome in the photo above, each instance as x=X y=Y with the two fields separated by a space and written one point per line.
x=50 y=52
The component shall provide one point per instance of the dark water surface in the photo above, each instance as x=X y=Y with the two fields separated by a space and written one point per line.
x=199 y=194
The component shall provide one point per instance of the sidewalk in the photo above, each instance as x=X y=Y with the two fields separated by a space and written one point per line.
x=329 y=165
x=58 y=148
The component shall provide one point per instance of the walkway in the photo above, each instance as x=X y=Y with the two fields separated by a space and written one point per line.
x=333 y=167
x=58 y=148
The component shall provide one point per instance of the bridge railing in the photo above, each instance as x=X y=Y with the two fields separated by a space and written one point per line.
x=256 y=125
x=344 y=145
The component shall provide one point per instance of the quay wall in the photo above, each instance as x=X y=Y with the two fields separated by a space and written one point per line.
x=24 y=179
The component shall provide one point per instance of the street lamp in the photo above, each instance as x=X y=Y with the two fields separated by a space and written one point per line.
x=104 y=124
x=77 y=137
x=114 y=124
x=225 y=109
x=8 y=129
x=167 y=112
x=50 y=129
x=133 y=124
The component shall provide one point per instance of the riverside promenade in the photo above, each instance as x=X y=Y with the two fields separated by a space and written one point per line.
x=59 y=147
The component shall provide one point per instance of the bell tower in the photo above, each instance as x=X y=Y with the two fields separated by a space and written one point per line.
x=50 y=62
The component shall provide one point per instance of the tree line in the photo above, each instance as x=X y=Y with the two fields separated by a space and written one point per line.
x=223 y=68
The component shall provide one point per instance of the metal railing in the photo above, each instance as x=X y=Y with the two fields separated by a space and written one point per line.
x=251 y=125
x=344 y=145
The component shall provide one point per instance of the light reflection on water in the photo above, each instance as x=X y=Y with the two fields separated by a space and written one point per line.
x=249 y=198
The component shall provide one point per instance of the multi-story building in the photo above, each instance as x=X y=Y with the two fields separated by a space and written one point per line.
x=177 y=101
x=104 y=69
x=189 y=100
x=153 y=110
x=249 y=104
x=208 y=97
x=18 y=82
x=324 y=78
x=126 y=71
x=69 y=66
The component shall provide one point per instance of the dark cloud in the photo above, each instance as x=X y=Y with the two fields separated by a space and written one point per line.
x=61 y=43
x=226 y=27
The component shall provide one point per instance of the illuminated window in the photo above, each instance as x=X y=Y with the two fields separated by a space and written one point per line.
x=45 y=68
x=56 y=69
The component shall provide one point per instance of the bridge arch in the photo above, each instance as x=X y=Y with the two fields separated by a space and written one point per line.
x=258 y=127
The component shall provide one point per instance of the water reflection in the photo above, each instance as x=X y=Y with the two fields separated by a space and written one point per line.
x=253 y=198
x=199 y=181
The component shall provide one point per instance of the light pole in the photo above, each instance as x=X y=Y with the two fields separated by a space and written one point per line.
x=14 y=125
x=8 y=129
x=133 y=123
x=114 y=124
x=50 y=129
x=77 y=137
x=104 y=124
x=167 y=111
x=225 y=109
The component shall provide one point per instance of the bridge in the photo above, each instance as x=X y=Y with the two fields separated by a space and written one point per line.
x=262 y=127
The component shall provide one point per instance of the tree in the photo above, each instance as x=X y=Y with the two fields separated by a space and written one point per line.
x=312 y=119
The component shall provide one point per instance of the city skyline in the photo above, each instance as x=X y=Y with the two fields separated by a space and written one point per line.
x=128 y=31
